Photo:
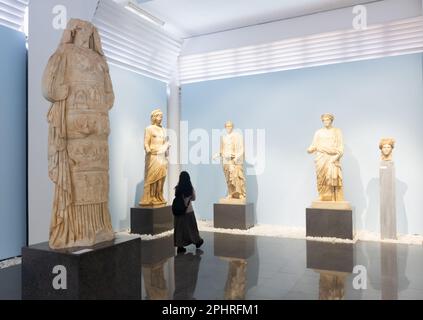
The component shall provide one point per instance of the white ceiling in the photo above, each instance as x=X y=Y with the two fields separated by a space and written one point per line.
x=190 y=18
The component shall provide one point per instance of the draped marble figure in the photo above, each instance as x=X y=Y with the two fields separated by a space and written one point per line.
x=156 y=148
x=232 y=157
x=77 y=83
x=328 y=148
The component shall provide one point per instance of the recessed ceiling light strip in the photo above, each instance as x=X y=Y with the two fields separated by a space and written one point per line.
x=395 y=38
x=12 y=13
x=136 y=44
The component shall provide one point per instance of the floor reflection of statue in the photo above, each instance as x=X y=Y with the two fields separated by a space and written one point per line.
x=186 y=274
x=236 y=283
x=328 y=147
x=232 y=156
x=332 y=285
x=156 y=148
x=155 y=281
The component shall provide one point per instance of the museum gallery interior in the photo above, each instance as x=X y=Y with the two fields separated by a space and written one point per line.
x=211 y=149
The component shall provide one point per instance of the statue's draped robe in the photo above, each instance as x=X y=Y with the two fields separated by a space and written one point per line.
x=155 y=167
x=329 y=149
x=78 y=84
x=232 y=144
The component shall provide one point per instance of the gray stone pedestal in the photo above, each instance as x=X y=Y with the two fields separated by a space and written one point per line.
x=329 y=223
x=234 y=216
x=234 y=246
x=330 y=256
x=388 y=221
x=109 y=270
x=150 y=220
x=157 y=250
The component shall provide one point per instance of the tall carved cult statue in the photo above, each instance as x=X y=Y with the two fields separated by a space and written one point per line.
x=156 y=148
x=328 y=147
x=232 y=155
x=77 y=83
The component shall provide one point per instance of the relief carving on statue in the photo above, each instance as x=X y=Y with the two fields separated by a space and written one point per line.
x=232 y=158
x=77 y=83
x=328 y=148
x=156 y=146
x=386 y=146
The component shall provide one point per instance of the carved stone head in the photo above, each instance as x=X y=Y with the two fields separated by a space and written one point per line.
x=156 y=117
x=386 y=146
x=327 y=119
x=82 y=34
x=229 y=126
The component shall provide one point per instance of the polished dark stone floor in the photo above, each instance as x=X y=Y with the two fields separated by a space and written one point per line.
x=249 y=267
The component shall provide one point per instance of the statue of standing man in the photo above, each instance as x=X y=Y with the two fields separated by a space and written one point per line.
x=328 y=147
x=156 y=148
x=232 y=155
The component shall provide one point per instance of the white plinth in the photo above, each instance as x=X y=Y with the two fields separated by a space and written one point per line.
x=331 y=205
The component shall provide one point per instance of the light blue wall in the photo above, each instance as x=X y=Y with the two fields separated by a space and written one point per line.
x=136 y=97
x=12 y=142
x=370 y=99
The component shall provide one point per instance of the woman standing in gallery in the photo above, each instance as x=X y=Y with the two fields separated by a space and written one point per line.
x=185 y=225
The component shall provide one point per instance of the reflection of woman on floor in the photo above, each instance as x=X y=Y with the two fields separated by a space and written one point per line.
x=186 y=230
x=186 y=275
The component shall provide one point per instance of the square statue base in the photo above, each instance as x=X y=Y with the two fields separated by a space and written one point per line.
x=108 y=271
x=233 y=246
x=151 y=220
x=157 y=250
x=338 y=257
x=233 y=216
x=329 y=223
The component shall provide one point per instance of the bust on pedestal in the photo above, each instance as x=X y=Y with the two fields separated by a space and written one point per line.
x=330 y=215
x=233 y=211
x=388 y=223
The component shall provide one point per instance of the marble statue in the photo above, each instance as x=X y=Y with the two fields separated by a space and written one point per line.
x=386 y=146
x=77 y=83
x=156 y=146
x=388 y=220
x=232 y=157
x=328 y=148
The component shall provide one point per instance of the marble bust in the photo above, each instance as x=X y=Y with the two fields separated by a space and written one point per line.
x=386 y=146
x=328 y=148
x=156 y=148
x=232 y=157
